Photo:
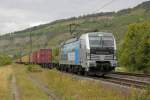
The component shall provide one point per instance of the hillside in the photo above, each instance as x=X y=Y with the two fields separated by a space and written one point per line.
x=51 y=34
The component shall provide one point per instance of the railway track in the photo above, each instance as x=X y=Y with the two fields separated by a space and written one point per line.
x=129 y=79
x=132 y=74
x=140 y=81
x=125 y=79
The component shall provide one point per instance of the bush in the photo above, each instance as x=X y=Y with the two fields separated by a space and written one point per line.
x=55 y=55
x=5 y=60
x=29 y=68
x=143 y=95
x=34 y=68
x=135 y=49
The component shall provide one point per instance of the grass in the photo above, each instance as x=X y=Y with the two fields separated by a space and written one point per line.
x=125 y=69
x=33 y=68
x=5 y=82
x=27 y=89
x=71 y=88
x=5 y=60
x=65 y=86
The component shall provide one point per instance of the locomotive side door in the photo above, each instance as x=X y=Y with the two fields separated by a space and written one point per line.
x=82 y=53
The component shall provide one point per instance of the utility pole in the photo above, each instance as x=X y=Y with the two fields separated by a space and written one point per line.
x=20 y=54
x=30 y=46
x=0 y=44
x=12 y=45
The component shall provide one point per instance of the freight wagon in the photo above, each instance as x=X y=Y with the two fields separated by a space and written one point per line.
x=42 y=57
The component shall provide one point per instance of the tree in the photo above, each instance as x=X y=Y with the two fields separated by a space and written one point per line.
x=135 y=49
x=5 y=60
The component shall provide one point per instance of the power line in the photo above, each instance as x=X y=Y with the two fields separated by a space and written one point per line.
x=105 y=5
x=96 y=11
x=30 y=36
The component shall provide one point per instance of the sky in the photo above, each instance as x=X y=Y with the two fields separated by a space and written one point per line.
x=17 y=15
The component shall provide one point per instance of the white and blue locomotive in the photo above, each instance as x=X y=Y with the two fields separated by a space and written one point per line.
x=90 y=53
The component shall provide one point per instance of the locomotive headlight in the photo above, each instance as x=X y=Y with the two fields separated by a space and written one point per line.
x=114 y=63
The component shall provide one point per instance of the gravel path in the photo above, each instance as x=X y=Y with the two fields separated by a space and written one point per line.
x=15 y=93
x=45 y=88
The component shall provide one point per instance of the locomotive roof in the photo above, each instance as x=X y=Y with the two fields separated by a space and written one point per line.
x=90 y=34
x=100 y=33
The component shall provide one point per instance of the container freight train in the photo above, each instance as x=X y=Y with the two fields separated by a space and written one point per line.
x=41 y=57
x=91 y=53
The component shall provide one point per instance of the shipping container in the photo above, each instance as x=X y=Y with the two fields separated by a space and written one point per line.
x=25 y=59
x=44 y=56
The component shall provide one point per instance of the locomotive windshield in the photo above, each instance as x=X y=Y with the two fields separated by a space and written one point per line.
x=95 y=41
x=101 y=41
x=107 y=41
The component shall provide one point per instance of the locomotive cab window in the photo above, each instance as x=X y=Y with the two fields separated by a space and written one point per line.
x=95 y=41
x=101 y=41
x=108 y=41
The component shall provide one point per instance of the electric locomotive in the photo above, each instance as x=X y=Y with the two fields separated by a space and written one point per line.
x=92 y=53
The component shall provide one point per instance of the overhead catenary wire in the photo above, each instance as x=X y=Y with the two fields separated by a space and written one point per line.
x=96 y=11
x=105 y=5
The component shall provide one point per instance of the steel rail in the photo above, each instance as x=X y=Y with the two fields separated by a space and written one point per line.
x=132 y=74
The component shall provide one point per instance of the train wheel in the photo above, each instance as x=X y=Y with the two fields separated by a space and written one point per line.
x=79 y=72
x=66 y=69
x=82 y=72
x=69 y=70
x=86 y=73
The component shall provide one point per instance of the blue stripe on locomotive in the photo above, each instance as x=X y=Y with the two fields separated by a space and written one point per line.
x=76 y=60
x=68 y=48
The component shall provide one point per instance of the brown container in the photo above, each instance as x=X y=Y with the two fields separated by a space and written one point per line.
x=44 y=56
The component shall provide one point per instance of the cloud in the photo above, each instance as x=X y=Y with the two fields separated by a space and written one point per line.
x=20 y=14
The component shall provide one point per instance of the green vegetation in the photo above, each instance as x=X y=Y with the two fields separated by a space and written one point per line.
x=33 y=68
x=52 y=34
x=69 y=87
x=131 y=55
x=27 y=89
x=5 y=83
x=65 y=86
x=141 y=96
x=135 y=49
x=55 y=55
x=5 y=60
